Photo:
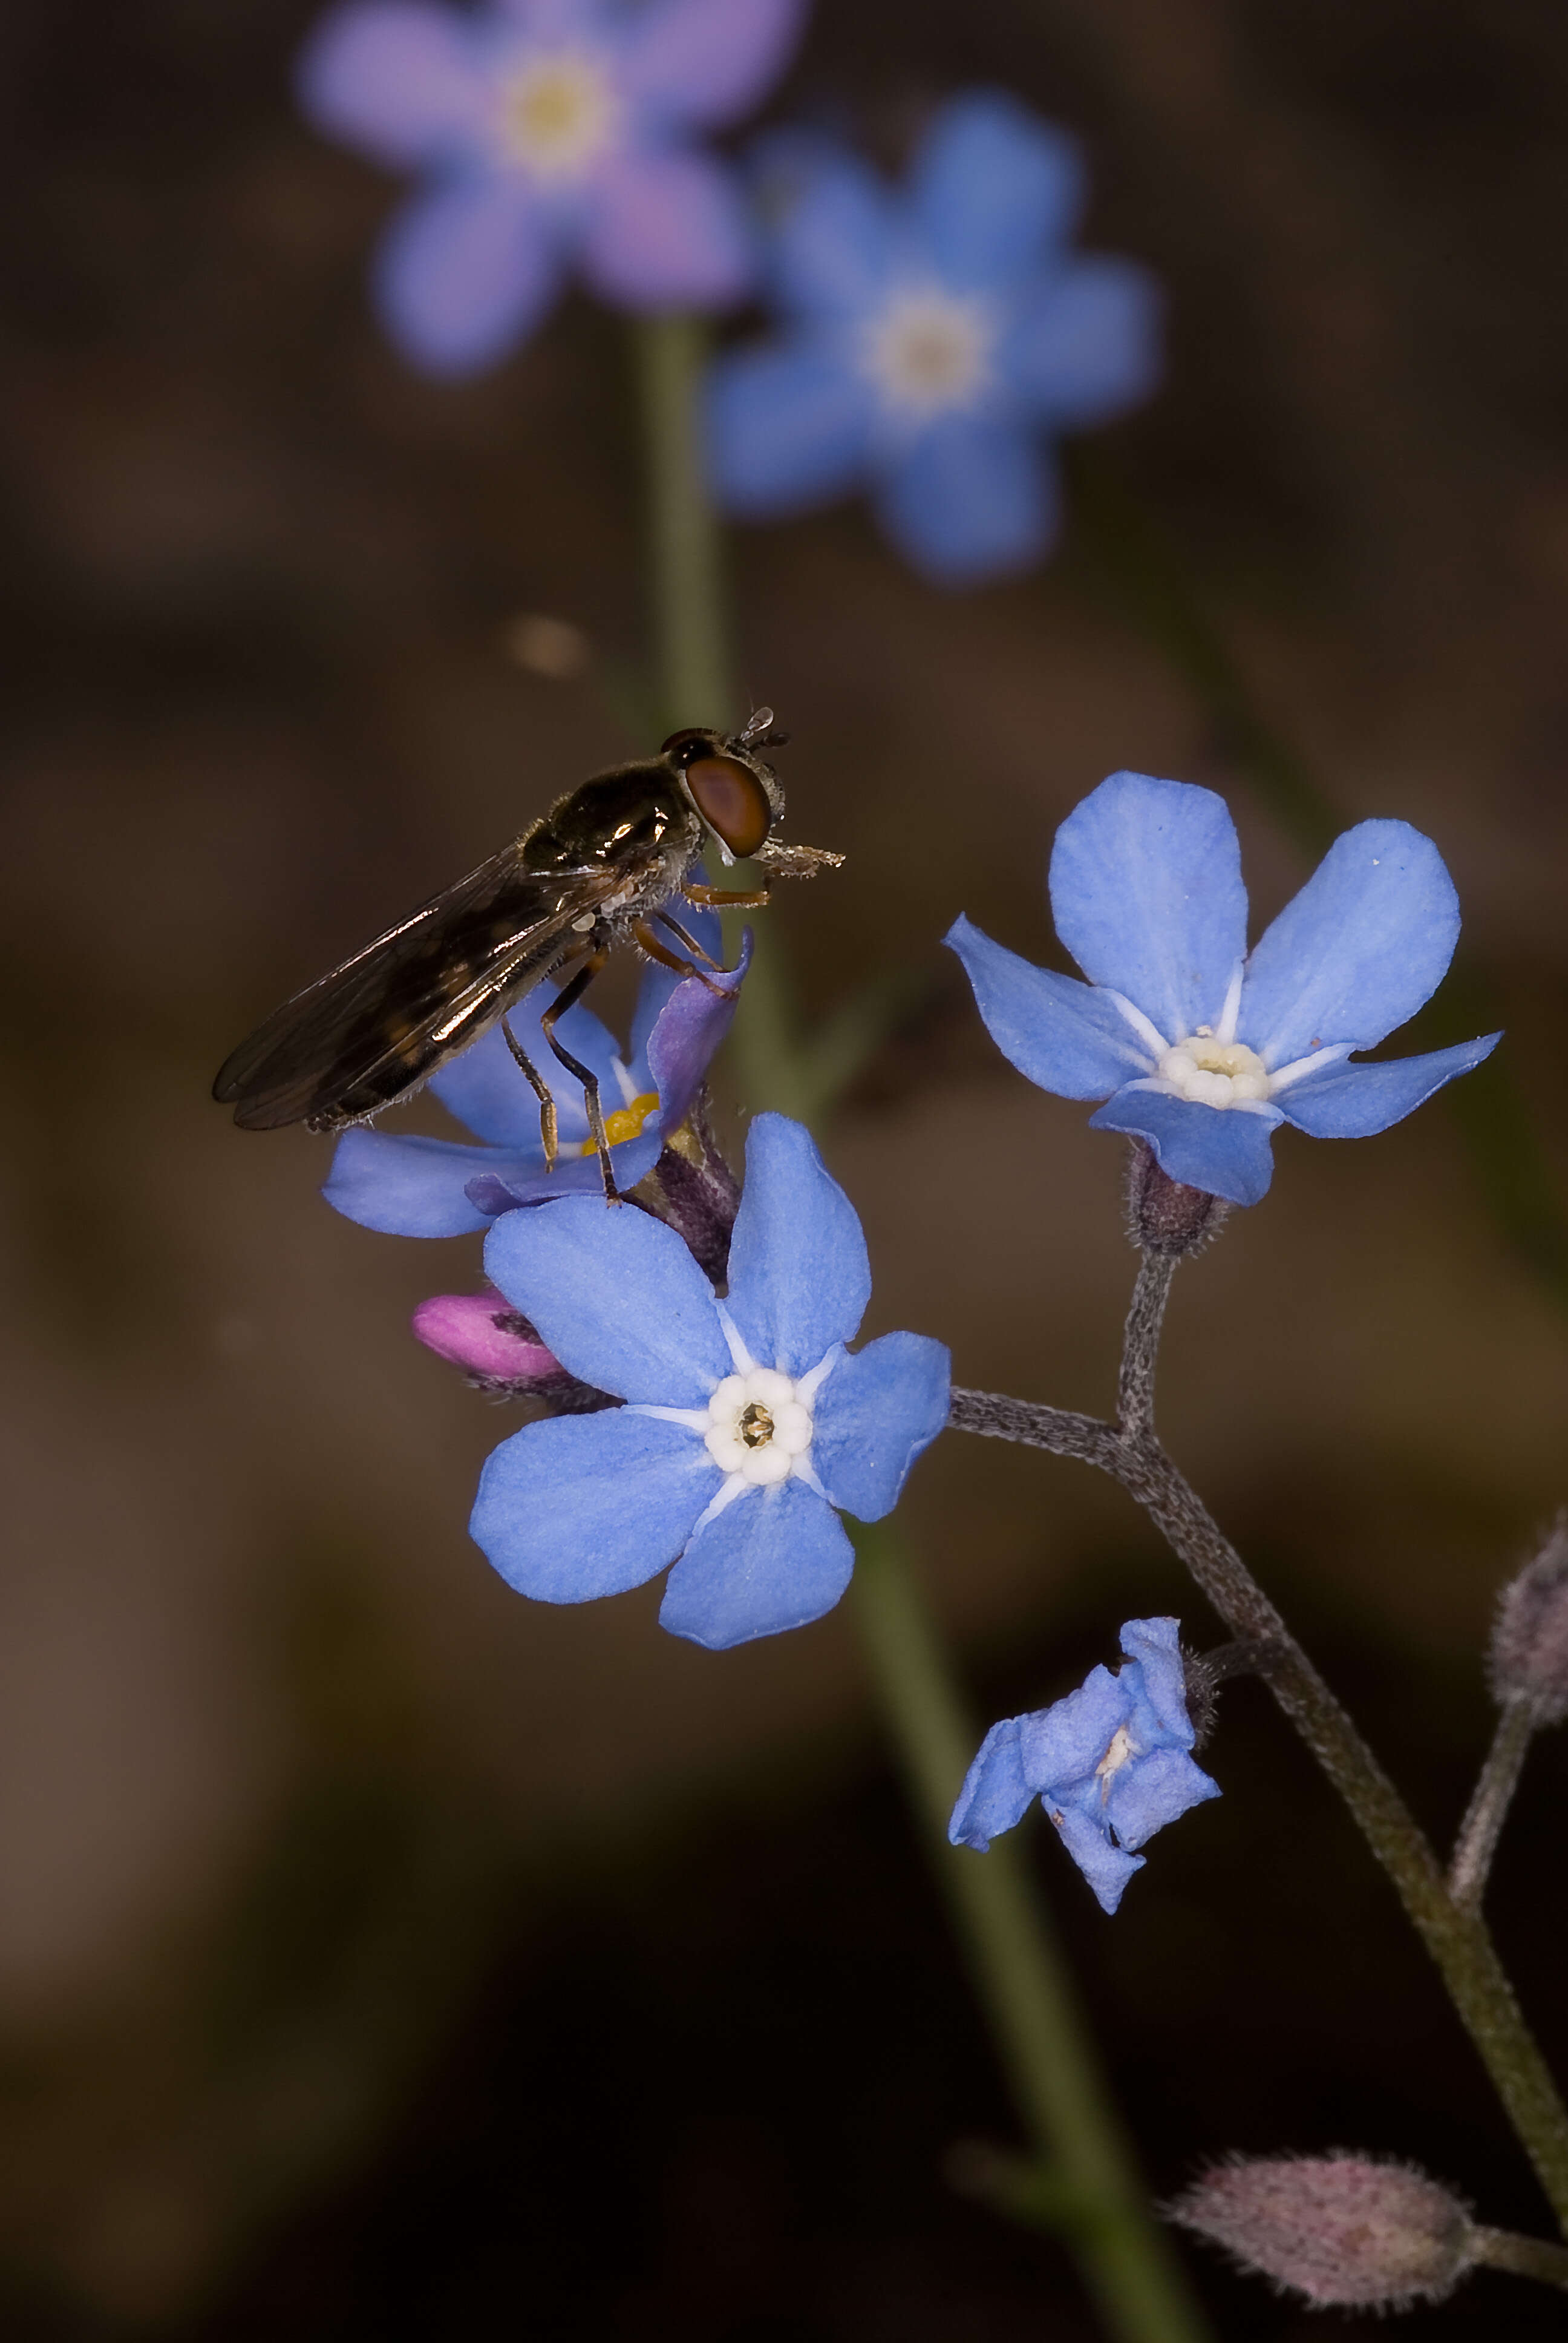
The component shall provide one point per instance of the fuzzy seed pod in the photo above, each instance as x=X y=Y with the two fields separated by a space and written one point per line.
x=1530 y=1640
x=1344 y=2228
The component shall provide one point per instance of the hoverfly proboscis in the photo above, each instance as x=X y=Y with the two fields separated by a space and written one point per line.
x=604 y=866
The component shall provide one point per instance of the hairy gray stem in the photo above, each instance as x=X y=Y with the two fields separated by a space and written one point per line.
x=1454 y=1935
x=1488 y=1809
x=1502 y=2249
x=1141 y=1344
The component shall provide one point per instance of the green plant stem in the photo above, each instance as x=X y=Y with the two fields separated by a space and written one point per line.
x=1501 y=2249
x=685 y=563
x=1454 y=1935
x=1102 y=2215
x=1092 y=2190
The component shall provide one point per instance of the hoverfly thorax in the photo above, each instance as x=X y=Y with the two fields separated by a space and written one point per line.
x=735 y=795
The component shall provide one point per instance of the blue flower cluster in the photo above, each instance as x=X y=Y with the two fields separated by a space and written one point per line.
x=1112 y=1764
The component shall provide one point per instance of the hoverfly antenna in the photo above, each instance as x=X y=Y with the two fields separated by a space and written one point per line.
x=759 y=721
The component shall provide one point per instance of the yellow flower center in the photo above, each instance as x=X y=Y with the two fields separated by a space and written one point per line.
x=556 y=115
x=627 y=1121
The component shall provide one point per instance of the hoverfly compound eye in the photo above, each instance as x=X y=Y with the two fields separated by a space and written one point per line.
x=732 y=802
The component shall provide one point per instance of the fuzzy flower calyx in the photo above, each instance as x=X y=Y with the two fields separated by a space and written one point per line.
x=748 y=1426
x=1530 y=1640
x=1112 y=1764
x=550 y=133
x=1199 y=1046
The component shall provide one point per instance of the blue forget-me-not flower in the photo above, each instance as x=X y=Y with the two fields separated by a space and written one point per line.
x=549 y=133
x=935 y=338
x=748 y=1426
x=1198 y=1046
x=1112 y=1764
x=406 y=1185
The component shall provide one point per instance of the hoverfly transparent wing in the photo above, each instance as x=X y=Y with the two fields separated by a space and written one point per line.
x=373 y=1030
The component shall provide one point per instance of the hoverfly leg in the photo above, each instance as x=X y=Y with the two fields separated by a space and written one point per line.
x=751 y=900
x=566 y=998
x=548 y=1121
x=643 y=930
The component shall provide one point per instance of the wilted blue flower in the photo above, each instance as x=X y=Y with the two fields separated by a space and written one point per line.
x=936 y=338
x=410 y=1186
x=1112 y=1764
x=550 y=132
x=746 y=1423
x=1198 y=1046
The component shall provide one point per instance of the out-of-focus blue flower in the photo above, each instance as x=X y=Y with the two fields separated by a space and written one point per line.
x=748 y=1426
x=936 y=338
x=1198 y=1046
x=549 y=133
x=410 y=1186
x=1112 y=1764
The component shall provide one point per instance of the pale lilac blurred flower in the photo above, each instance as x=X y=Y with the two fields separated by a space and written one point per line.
x=549 y=134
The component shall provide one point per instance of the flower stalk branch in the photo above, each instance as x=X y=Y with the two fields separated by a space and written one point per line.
x=1481 y=1827
x=1454 y=1933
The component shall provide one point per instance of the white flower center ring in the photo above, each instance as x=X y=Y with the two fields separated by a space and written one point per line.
x=929 y=352
x=757 y=1424
x=1215 y=1073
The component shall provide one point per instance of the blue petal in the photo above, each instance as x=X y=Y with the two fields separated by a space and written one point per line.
x=1149 y=1791
x=879 y=1409
x=1366 y=942
x=993 y=189
x=1087 y=345
x=1357 y=1101
x=509 y=1182
x=798 y=1276
x=667 y=228
x=691 y=1026
x=486 y=1088
x=971 y=498
x=615 y=1296
x=583 y=1506
x=396 y=79
x=407 y=1186
x=1224 y=1151
x=1146 y=886
x=708 y=62
x=1106 y=1867
x=788 y=427
x=1065 y=1036
x=1155 y=1648
x=836 y=234
x=704 y=927
x=995 y=1796
x=1063 y=1744
x=775 y=1558
x=466 y=270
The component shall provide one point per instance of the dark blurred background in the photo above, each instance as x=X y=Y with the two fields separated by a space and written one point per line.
x=381 y=1955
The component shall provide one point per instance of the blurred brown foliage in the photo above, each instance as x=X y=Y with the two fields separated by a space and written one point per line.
x=290 y=1786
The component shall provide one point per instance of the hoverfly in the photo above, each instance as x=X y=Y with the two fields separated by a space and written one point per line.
x=603 y=866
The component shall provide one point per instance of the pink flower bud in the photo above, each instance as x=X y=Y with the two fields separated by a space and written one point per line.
x=482 y=1333
x=1342 y=2228
x=1530 y=1641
